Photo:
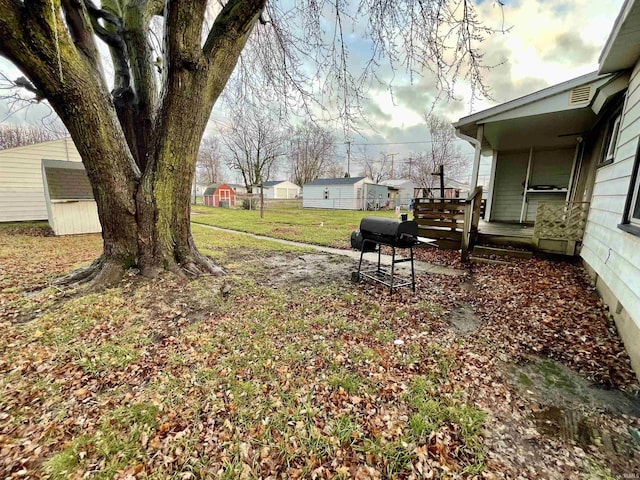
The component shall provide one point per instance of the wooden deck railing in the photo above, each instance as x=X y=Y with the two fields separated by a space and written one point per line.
x=453 y=222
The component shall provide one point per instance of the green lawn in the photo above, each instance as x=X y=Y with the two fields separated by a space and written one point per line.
x=330 y=228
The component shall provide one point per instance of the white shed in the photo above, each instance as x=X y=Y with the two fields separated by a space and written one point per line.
x=335 y=193
x=71 y=208
x=21 y=189
x=280 y=189
x=405 y=190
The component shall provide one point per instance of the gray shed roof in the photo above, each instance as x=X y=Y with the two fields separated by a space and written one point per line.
x=336 y=181
x=67 y=180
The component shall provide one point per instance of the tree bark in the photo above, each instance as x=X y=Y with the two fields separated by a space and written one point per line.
x=140 y=154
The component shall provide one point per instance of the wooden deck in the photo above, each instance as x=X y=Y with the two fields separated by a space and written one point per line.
x=503 y=229
x=500 y=234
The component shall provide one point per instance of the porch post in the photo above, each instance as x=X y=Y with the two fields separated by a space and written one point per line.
x=476 y=158
x=492 y=177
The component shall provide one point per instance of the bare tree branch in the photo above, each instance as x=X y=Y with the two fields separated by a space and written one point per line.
x=253 y=143
x=311 y=153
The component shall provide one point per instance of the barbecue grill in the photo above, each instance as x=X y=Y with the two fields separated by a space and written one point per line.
x=373 y=234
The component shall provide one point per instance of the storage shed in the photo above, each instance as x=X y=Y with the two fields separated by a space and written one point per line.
x=21 y=188
x=219 y=195
x=280 y=189
x=404 y=191
x=71 y=208
x=338 y=193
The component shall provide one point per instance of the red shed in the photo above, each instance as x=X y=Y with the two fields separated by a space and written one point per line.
x=219 y=195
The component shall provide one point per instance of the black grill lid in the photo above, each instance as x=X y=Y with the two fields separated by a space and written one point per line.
x=389 y=230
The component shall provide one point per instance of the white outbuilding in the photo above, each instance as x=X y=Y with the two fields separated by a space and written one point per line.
x=21 y=188
x=351 y=193
x=280 y=189
x=71 y=208
x=47 y=181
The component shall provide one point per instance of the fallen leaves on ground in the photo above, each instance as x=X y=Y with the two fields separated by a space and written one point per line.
x=171 y=379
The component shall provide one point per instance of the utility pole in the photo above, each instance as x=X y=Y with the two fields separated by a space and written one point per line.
x=392 y=155
x=410 y=162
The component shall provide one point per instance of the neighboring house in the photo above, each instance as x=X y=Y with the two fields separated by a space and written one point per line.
x=219 y=195
x=574 y=149
x=71 y=208
x=239 y=189
x=452 y=189
x=402 y=190
x=280 y=189
x=22 y=195
x=351 y=193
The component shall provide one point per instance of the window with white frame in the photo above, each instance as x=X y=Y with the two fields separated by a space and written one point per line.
x=611 y=138
x=631 y=219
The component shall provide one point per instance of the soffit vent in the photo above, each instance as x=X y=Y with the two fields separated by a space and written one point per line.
x=580 y=95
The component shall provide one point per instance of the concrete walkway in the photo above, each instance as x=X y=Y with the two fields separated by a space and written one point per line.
x=420 y=267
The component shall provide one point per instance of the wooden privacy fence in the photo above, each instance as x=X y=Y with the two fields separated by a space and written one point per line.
x=563 y=223
x=452 y=222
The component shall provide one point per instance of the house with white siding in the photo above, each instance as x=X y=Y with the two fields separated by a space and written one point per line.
x=573 y=150
x=349 y=193
x=22 y=196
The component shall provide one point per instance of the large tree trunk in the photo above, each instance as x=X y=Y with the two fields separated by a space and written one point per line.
x=138 y=145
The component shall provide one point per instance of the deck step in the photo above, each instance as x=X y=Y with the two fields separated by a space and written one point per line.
x=504 y=241
x=480 y=250
x=474 y=259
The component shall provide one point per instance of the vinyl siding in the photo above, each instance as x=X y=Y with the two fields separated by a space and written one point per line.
x=614 y=255
x=341 y=197
x=21 y=188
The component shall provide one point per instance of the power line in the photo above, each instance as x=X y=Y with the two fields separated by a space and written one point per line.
x=390 y=143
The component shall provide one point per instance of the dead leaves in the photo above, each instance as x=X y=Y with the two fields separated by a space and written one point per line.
x=173 y=380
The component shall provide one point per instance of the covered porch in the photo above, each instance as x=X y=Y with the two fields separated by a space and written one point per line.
x=544 y=150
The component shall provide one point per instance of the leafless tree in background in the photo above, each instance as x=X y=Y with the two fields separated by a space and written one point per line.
x=253 y=144
x=444 y=151
x=208 y=162
x=377 y=169
x=12 y=136
x=335 y=170
x=311 y=153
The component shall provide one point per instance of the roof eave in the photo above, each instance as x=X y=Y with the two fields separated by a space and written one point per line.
x=484 y=115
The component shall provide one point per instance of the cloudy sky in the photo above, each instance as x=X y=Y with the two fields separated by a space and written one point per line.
x=549 y=41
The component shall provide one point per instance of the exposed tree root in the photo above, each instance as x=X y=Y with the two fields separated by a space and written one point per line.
x=199 y=264
x=101 y=273
x=104 y=272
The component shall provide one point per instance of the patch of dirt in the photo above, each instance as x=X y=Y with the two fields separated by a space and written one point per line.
x=308 y=270
x=569 y=409
x=559 y=385
x=464 y=320
x=286 y=230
